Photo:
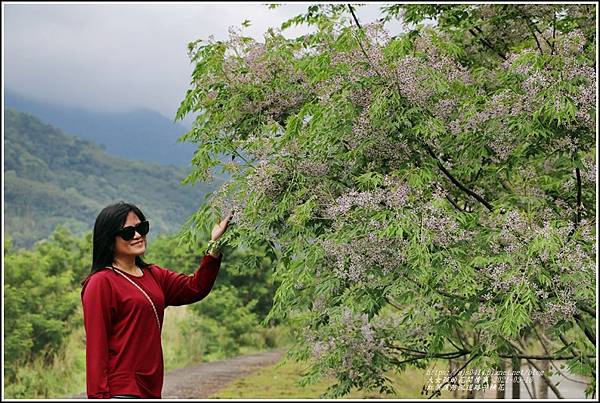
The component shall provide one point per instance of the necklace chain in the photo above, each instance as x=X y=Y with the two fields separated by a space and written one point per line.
x=143 y=292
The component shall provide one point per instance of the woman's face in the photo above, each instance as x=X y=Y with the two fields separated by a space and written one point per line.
x=133 y=247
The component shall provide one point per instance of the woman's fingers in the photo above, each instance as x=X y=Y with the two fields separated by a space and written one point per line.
x=228 y=218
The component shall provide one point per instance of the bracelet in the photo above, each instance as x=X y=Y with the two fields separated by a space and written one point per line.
x=213 y=246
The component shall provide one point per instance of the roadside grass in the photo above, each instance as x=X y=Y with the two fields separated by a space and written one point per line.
x=281 y=381
x=185 y=343
x=64 y=376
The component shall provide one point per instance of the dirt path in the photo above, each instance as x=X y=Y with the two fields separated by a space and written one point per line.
x=202 y=380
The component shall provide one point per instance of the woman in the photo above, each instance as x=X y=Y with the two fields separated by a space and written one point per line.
x=124 y=300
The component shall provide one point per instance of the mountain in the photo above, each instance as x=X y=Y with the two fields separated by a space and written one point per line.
x=141 y=134
x=52 y=178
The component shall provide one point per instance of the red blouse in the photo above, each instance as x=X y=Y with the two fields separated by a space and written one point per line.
x=123 y=343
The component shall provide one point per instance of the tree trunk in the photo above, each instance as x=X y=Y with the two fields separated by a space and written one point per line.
x=501 y=380
x=543 y=390
x=471 y=387
x=516 y=378
x=453 y=367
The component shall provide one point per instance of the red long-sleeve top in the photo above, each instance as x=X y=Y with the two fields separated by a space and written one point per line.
x=123 y=343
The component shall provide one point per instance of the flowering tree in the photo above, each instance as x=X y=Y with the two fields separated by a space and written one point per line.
x=427 y=196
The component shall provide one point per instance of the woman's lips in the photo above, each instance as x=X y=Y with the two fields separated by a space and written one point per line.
x=137 y=243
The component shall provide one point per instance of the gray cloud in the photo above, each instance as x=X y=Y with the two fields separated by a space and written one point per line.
x=115 y=57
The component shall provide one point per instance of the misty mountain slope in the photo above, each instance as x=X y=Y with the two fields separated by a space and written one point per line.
x=141 y=134
x=51 y=178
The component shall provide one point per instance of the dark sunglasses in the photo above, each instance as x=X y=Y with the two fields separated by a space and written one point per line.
x=127 y=233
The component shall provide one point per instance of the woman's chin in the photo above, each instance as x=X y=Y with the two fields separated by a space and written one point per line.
x=138 y=250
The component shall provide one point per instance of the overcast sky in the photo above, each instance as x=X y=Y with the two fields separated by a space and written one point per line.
x=121 y=56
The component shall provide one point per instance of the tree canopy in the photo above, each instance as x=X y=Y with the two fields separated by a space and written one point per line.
x=429 y=195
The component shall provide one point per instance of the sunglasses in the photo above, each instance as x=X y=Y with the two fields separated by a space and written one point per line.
x=127 y=233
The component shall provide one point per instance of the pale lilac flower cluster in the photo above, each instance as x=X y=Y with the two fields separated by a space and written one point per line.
x=313 y=168
x=361 y=96
x=588 y=231
x=440 y=63
x=385 y=150
x=247 y=63
x=259 y=147
x=318 y=304
x=324 y=89
x=358 y=259
x=223 y=203
x=536 y=82
x=548 y=230
x=268 y=178
x=445 y=230
x=515 y=232
x=540 y=293
x=484 y=312
x=498 y=274
x=574 y=259
x=502 y=108
x=382 y=148
x=368 y=199
x=352 y=66
x=395 y=196
x=444 y=108
x=407 y=74
x=410 y=75
x=513 y=62
x=356 y=339
x=502 y=145
x=585 y=99
x=555 y=312
x=571 y=45
x=494 y=119
x=565 y=144
x=361 y=129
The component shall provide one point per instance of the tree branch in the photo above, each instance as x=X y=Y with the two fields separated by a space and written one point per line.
x=531 y=24
x=455 y=181
x=588 y=333
x=460 y=186
x=360 y=43
x=393 y=304
x=574 y=352
x=533 y=34
x=487 y=43
x=553 y=34
x=454 y=345
x=461 y=353
x=454 y=203
x=354 y=16
x=439 y=388
x=463 y=343
x=587 y=310
x=542 y=374
x=432 y=355
x=532 y=393
x=578 y=206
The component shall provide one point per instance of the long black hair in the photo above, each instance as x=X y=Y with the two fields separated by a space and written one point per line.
x=109 y=221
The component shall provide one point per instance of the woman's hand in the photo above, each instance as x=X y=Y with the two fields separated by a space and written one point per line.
x=220 y=227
